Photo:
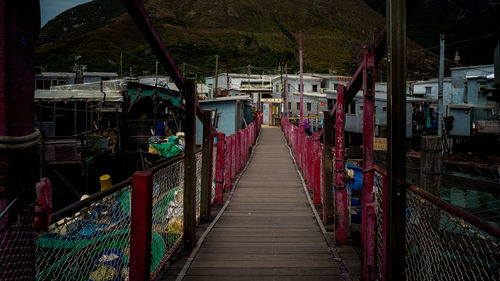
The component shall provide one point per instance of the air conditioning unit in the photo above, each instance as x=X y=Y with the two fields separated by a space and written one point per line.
x=322 y=90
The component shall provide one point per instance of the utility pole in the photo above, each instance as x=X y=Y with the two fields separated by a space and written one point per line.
x=217 y=76
x=156 y=75
x=121 y=64
x=395 y=212
x=282 y=92
x=286 y=92
x=301 y=121
x=440 y=85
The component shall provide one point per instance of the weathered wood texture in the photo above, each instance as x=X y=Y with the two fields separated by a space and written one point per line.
x=268 y=232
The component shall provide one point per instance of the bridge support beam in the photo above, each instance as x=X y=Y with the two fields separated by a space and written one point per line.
x=206 y=167
x=395 y=213
x=328 y=210
x=368 y=217
x=339 y=185
x=190 y=165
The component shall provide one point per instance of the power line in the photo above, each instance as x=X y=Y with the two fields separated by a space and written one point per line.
x=456 y=42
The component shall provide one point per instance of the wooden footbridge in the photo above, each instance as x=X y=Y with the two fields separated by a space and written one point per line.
x=270 y=230
x=268 y=227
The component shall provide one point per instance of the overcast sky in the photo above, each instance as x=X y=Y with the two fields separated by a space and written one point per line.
x=51 y=8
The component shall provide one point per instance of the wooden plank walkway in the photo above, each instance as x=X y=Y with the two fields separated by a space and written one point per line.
x=268 y=231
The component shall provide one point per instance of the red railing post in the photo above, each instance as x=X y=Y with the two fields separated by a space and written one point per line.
x=299 y=147
x=227 y=164
x=245 y=147
x=340 y=190
x=316 y=170
x=310 y=154
x=238 y=151
x=219 y=172
x=368 y=219
x=233 y=156
x=140 y=226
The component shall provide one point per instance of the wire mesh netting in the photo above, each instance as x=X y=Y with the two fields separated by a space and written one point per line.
x=16 y=247
x=92 y=244
x=439 y=244
x=214 y=169
x=443 y=246
x=168 y=210
x=198 y=183
x=378 y=185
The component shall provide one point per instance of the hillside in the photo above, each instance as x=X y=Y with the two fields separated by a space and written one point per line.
x=255 y=32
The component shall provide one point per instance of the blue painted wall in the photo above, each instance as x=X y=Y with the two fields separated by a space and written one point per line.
x=227 y=118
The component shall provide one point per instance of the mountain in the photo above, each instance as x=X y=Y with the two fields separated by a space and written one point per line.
x=242 y=32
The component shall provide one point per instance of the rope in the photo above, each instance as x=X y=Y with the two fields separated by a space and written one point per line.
x=21 y=142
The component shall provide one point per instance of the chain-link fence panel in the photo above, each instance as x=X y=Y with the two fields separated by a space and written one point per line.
x=168 y=212
x=16 y=245
x=378 y=188
x=92 y=244
x=214 y=169
x=443 y=246
x=440 y=243
x=198 y=183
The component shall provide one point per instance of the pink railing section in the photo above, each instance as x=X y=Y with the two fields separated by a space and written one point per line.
x=442 y=242
x=308 y=152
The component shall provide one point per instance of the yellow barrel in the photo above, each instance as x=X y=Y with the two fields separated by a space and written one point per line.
x=105 y=182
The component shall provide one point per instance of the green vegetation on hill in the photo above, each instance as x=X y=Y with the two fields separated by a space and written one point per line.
x=250 y=32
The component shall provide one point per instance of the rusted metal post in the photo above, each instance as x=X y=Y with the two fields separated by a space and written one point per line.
x=396 y=111
x=141 y=226
x=227 y=164
x=328 y=217
x=340 y=189
x=368 y=217
x=206 y=167
x=19 y=160
x=190 y=165
x=219 y=172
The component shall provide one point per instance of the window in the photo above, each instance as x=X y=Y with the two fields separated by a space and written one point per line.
x=428 y=90
x=298 y=87
x=289 y=88
x=315 y=88
x=298 y=106
x=277 y=88
x=39 y=84
x=289 y=105
x=351 y=108
x=308 y=106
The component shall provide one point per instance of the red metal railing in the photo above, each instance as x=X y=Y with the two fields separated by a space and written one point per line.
x=442 y=242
